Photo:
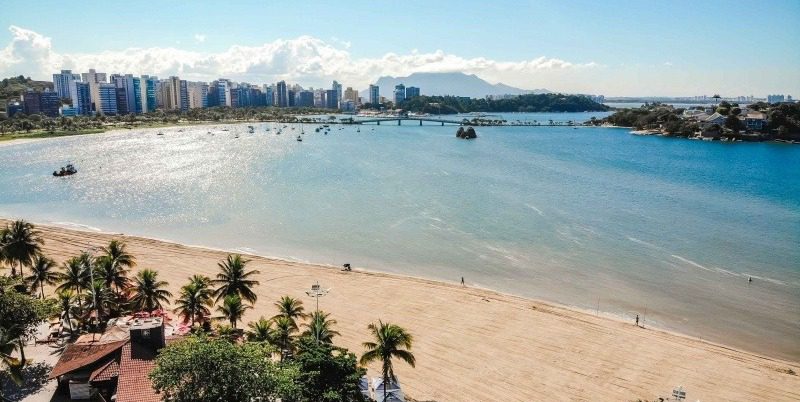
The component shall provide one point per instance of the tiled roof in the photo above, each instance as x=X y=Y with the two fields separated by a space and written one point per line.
x=79 y=355
x=105 y=372
x=133 y=384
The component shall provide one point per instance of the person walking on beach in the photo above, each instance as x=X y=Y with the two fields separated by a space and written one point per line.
x=637 y=320
x=462 y=281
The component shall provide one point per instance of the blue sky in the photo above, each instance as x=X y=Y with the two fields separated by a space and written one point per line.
x=611 y=47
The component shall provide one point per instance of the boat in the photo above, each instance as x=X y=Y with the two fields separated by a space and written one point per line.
x=358 y=130
x=251 y=130
x=160 y=133
x=299 y=139
x=68 y=170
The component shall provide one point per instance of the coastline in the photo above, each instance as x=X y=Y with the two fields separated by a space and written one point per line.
x=530 y=342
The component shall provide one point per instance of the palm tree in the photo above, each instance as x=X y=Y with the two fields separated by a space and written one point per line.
x=75 y=277
x=233 y=280
x=290 y=308
x=42 y=273
x=149 y=292
x=9 y=364
x=22 y=242
x=194 y=300
x=285 y=328
x=65 y=301
x=111 y=273
x=101 y=298
x=261 y=331
x=390 y=341
x=116 y=252
x=319 y=327
x=233 y=309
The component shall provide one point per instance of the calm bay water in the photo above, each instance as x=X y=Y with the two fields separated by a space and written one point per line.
x=577 y=216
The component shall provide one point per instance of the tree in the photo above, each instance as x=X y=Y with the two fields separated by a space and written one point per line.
x=113 y=266
x=285 y=329
x=290 y=308
x=390 y=341
x=101 y=299
x=319 y=328
x=733 y=123
x=75 y=276
x=20 y=314
x=66 y=305
x=233 y=309
x=233 y=279
x=194 y=300
x=21 y=243
x=261 y=331
x=211 y=370
x=327 y=373
x=8 y=363
x=42 y=273
x=149 y=292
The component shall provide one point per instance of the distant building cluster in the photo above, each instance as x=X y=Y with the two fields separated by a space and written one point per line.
x=123 y=94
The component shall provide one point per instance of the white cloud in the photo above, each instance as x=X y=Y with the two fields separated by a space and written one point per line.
x=305 y=59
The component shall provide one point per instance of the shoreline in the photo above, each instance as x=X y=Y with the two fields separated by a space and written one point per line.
x=561 y=319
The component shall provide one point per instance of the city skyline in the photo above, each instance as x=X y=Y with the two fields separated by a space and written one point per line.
x=576 y=50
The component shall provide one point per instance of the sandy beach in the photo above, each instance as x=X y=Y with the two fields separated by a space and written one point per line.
x=474 y=344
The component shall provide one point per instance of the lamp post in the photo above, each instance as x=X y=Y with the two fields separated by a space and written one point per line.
x=90 y=252
x=317 y=292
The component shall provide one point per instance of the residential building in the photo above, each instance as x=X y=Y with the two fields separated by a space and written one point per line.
x=337 y=87
x=62 y=83
x=348 y=106
x=305 y=99
x=281 y=94
x=412 y=92
x=374 y=95
x=106 y=103
x=219 y=93
x=351 y=95
x=198 y=94
x=129 y=97
x=174 y=94
x=148 y=86
x=94 y=79
x=775 y=98
x=755 y=121
x=47 y=102
x=399 y=94
x=13 y=107
x=290 y=95
x=331 y=99
x=269 y=95
x=83 y=98
x=122 y=101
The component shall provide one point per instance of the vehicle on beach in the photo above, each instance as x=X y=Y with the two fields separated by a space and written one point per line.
x=68 y=170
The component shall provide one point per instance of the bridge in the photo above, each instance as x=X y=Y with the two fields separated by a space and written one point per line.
x=400 y=120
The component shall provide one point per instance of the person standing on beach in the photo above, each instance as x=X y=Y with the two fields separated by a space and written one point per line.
x=462 y=281
x=637 y=320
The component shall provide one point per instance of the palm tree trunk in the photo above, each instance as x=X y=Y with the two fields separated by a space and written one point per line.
x=21 y=351
x=41 y=286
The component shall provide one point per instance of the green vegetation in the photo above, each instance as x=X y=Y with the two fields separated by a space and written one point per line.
x=521 y=103
x=272 y=359
x=12 y=88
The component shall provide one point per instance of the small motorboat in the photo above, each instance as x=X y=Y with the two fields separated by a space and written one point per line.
x=160 y=133
x=68 y=170
x=299 y=139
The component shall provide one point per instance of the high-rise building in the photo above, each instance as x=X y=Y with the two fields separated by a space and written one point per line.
x=351 y=94
x=338 y=88
x=198 y=94
x=129 y=93
x=331 y=99
x=106 y=102
x=148 y=86
x=82 y=103
x=219 y=93
x=305 y=99
x=374 y=95
x=412 y=92
x=269 y=95
x=62 y=83
x=94 y=79
x=775 y=98
x=399 y=94
x=281 y=94
x=175 y=94
x=47 y=102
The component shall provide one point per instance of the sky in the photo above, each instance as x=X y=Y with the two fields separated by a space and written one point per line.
x=610 y=47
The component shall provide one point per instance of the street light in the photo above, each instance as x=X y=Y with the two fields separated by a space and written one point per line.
x=317 y=292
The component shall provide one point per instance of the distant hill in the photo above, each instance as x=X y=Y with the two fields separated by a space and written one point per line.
x=456 y=84
x=13 y=87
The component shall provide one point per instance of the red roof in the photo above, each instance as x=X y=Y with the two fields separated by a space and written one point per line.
x=80 y=355
x=133 y=384
x=105 y=372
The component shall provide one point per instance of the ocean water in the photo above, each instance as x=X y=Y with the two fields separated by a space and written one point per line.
x=596 y=218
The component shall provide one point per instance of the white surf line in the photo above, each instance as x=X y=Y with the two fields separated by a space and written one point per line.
x=533 y=207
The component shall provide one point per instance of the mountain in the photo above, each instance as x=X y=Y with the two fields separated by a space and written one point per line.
x=458 y=84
